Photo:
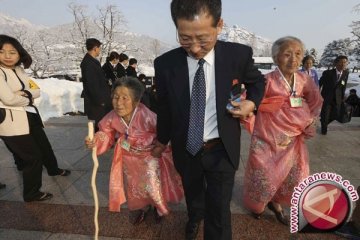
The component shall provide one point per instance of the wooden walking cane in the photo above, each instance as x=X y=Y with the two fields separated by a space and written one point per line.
x=93 y=180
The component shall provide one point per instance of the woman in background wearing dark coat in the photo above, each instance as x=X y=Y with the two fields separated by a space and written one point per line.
x=110 y=67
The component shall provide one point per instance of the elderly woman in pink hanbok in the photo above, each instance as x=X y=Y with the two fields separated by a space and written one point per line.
x=278 y=158
x=147 y=180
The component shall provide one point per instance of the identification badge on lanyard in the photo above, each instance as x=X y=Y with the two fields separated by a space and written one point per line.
x=295 y=101
x=125 y=145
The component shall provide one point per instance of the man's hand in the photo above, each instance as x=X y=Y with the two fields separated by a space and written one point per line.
x=158 y=149
x=243 y=109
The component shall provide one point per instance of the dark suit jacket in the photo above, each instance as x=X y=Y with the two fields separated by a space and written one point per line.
x=232 y=61
x=332 y=90
x=120 y=70
x=130 y=71
x=96 y=91
x=109 y=71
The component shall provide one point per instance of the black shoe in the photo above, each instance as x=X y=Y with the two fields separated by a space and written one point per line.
x=157 y=217
x=20 y=165
x=280 y=216
x=41 y=197
x=323 y=131
x=2 y=185
x=257 y=215
x=192 y=229
x=141 y=216
x=62 y=172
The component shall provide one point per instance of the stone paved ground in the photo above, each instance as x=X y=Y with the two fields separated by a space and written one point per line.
x=69 y=215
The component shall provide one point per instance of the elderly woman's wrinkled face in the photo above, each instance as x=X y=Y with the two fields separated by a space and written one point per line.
x=289 y=57
x=9 y=56
x=123 y=102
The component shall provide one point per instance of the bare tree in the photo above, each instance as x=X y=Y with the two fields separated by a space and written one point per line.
x=111 y=23
x=38 y=45
x=81 y=28
x=253 y=43
x=355 y=25
x=156 y=48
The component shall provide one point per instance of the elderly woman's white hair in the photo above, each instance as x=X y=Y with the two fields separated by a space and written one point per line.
x=275 y=49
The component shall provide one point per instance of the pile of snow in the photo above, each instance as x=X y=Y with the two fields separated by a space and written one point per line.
x=58 y=97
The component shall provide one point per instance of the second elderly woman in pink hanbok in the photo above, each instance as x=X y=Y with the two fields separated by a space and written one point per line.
x=136 y=176
x=278 y=158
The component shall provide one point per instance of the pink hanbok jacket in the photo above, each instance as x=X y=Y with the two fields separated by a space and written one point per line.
x=141 y=136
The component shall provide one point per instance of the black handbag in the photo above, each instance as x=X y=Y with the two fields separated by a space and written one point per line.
x=345 y=113
x=2 y=114
x=2 y=110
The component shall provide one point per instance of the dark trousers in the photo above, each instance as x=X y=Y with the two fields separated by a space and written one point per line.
x=18 y=161
x=96 y=113
x=34 y=149
x=325 y=116
x=208 y=180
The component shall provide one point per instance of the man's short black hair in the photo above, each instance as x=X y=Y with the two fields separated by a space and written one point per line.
x=352 y=90
x=91 y=43
x=338 y=58
x=123 y=57
x=132 y=61
x=188 y=9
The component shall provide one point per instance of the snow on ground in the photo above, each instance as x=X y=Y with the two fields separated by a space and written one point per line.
x=58 y=97
x=61 y=96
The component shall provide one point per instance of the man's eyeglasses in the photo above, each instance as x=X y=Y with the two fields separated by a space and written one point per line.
x=188 y=42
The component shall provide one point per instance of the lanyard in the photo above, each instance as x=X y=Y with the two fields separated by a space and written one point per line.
x=293 y=89
x=128 y=126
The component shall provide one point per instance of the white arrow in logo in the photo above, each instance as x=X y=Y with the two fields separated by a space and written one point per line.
x=330 y=195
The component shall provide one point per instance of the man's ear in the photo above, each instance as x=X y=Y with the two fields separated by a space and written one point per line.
x=219 y=26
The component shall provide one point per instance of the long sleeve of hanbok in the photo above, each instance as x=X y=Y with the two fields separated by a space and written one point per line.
x=106 y=135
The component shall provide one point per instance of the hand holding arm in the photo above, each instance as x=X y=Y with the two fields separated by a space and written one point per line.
x=242 y=109
x=158 y=149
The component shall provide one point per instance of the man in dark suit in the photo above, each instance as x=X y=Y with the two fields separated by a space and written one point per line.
x=122 y=65
x=96 y=92
x=208 y=172
x=333 y=84
x=131 y=69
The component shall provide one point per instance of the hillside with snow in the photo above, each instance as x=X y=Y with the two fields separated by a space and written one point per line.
x=59 y=49
x=8 y=23
x=261 y=46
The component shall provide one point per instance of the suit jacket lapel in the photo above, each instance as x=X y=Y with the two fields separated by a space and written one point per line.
x=336 y=76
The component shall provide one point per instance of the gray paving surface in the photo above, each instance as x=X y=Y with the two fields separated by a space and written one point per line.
x=338 y=151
